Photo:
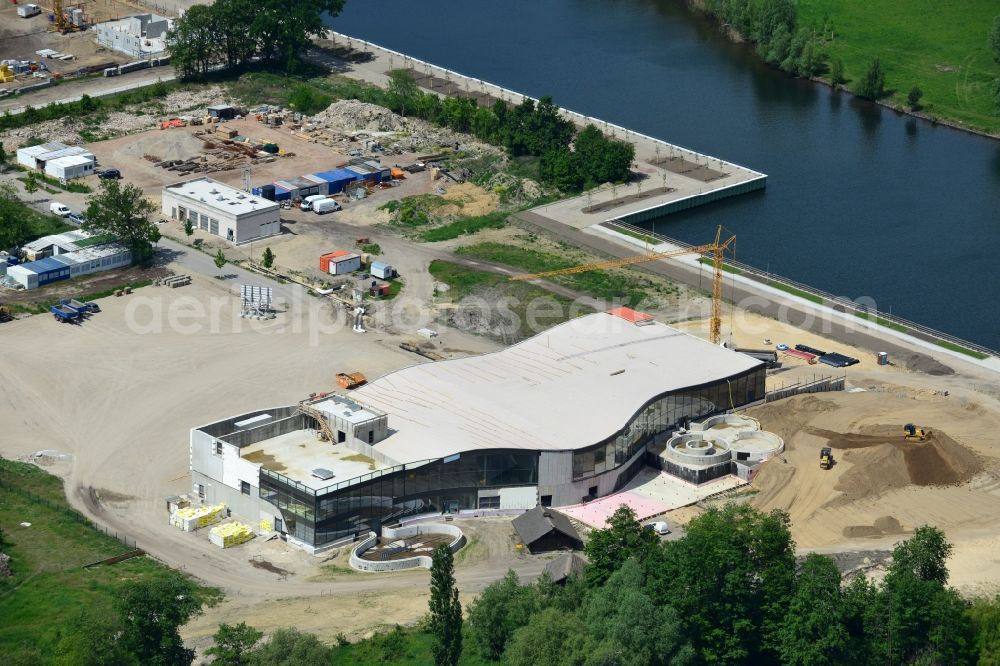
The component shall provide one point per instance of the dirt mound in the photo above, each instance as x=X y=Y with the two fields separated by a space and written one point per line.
x=787 y=417
x=881 y=460
x=166 y=146
x=883 y=526
x=351 y=114
x=928 y=365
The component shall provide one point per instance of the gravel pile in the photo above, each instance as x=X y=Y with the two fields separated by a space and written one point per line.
x=352 y=116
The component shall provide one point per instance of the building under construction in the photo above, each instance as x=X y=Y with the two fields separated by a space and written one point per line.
x=569 y=415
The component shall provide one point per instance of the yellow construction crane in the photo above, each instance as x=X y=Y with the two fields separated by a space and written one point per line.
x=716 y=249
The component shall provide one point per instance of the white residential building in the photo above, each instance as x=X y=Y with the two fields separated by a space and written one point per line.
x=139 y=36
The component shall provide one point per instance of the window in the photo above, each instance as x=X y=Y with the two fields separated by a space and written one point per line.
x=489 y=502
x=244 y=487
x=592 y=491
x=218 y=448
x=213 y=226
x=341 y=437
x=201 y=491
x=546 y=500
x=371 y=436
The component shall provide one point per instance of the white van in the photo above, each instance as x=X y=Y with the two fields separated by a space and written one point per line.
x=659 y=527
x=62 y=210
x=310 y=200
x=325 y=206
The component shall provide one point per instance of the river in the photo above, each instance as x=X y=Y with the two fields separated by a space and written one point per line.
x=861 y=201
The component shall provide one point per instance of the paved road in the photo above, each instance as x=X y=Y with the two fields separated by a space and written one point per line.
x=71 y=91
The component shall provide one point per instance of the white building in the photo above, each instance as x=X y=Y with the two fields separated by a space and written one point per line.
x=221 y=210
x=55 y=153
x=138 y=36
x=70 y=167
x=47 y=246
x=69 y=265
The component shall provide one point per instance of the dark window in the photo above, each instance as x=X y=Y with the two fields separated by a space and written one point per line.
x=546 y=500
x=371 y=436
x=201 y=491
x=277 y=525
x=341 y=437
x=489 y=502
x=592 y=491
x=244 y=487
x=218 y=448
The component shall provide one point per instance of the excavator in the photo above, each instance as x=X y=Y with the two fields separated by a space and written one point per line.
x=825 y=458
x=912 y=432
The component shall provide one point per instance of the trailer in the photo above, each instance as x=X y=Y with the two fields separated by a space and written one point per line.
x=65 y=314
x=79 y=306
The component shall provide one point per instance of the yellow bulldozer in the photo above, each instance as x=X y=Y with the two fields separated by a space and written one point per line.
x=912 y=432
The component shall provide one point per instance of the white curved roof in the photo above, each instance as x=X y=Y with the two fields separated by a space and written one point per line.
x=566 y=388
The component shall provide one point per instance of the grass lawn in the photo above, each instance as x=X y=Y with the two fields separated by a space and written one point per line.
x=44 y=225
x=961 y=350
x=49 y=586
x=882 y=322
x=796 y=292
x=465 y=226
x=608 y=285
x=937 y=45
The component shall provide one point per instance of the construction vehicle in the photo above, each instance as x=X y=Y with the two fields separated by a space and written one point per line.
x=825 y=458
x=912 y=432
x=351 y=380
x=716 y=250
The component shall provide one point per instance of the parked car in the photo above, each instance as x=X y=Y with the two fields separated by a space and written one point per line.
x=659 y=527
x=109 y=174
x=76 y=218
x=62 y=210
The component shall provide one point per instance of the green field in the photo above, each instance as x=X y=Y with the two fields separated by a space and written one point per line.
x=938 y=45
x=49 y=586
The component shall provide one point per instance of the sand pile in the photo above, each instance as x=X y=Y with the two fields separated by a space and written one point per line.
x=882 y=460
x=353 y=115
x=882 y=526
x=166 y=146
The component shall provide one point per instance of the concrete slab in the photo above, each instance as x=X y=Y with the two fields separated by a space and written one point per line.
x=297 y=454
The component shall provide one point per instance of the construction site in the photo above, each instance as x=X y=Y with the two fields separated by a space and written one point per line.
x=290 y=423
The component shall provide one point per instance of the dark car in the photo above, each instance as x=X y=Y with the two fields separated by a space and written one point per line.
x=110 y=173
x=76 y=218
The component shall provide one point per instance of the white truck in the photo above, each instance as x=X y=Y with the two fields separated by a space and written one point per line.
x=325 y=206
x=27 y=11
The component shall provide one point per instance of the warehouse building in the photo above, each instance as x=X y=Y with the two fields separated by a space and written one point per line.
x=58 y=160
x=67 y=265
x=221 y=210
x=569 y=415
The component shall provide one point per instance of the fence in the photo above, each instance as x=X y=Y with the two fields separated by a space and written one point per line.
x=838 y=303
x=820 y=385
x=70 y=513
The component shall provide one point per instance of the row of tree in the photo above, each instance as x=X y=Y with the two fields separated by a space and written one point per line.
x=568 y=160
x=232 y=34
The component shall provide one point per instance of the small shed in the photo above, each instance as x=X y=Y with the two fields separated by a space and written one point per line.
x=565 y=567
x=542 y=529
x=382 y=270
x=222 y=111
x=339 y=262
x=70 y=167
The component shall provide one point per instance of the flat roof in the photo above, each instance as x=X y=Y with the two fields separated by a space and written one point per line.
x=34 y=151
x=296 y=454
x=347 y=409
x=96 y=252
x=72 y=160
x=67 y=239
x=568 y=387
x=221 y=197
x=63 y=152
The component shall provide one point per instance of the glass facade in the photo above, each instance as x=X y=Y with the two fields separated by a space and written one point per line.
x=357 y=506
x=668 y=412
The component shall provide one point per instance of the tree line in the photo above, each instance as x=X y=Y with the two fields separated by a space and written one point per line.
x=568 y=160
x=232 y=34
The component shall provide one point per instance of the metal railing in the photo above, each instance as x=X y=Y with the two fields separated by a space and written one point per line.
x=333 y=487
x=873 y=316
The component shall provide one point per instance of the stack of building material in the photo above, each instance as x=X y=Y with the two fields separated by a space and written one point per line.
x=190 y=519
x=230 y=534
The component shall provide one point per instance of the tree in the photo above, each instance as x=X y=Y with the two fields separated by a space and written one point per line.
x=16 y=225
x=92 y=639
x=553 y=638
x=622 y=619
x=873 y=85
x=123 y=211
x=622 y=539
x=403 y=86
x=814 y=632
x=914 y=97
x=234 y=644
x=501 y=609
x=925 y=555
x=188 y=227
x=837 y=71
x=307 y=100
x=994 y=38
x=151 y=612
x=291 y=647
x=194 y=43
x=219 y=259
x=30 y=183
x=731 y=578
x=985 y=617
x=267 y=259
x=446 y=610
